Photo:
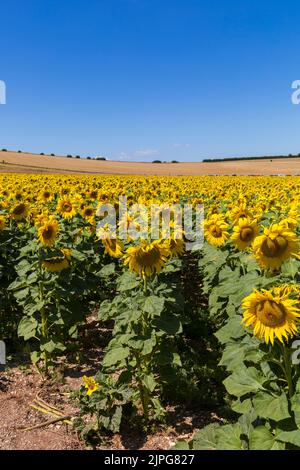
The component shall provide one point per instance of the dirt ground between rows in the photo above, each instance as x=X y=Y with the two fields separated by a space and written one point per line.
x=19 y=387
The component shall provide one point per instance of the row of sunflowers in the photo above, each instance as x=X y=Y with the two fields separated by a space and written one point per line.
x=59 y=264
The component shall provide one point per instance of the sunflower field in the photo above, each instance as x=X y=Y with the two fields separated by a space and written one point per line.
x=215 y=327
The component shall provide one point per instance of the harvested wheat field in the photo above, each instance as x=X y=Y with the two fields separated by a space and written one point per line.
x=14 y=162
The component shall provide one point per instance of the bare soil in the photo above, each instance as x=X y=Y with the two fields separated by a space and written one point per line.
x=19 y=387
x=14 y=162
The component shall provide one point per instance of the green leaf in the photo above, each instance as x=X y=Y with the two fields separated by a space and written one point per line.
x=245 y=381
x=292 y=437
x=242 y=406
x=169 y=323
x=261 y=439
x=51 y=346
x=232 y=329
x=27 y=328
x=229 y=437
x=206 y=438
x=270 y=407
x=21 y=294
x=107 y=270
x=149 y=382
x=128 y=281
x=154 y=305
x=181 y=445
x=115 y=355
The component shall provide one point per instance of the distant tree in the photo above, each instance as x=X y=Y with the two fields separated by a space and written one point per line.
x=4 y=150
x=52 y=154
x=19 y=151
x=101 y=158
x=156 y=161
x=77 y=156
x=88 y=158
x=69 y=156
x=42 y=153
x=174 y=161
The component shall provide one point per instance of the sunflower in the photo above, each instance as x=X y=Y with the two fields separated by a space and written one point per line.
x=147 y=258
x=19 y=211
x=113 y=247
x=45 y=196
x=175 y=246
x=216 y=230
x=56 y=264
x=47 y=233
x=88 y=213
x=90 y=384
x=271 y=314
x=2 y=223
x=66 y=208
x=240 y=212
x=275 y=246
x=244 y=233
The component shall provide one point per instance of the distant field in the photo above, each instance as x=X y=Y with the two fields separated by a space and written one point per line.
x=13 y=162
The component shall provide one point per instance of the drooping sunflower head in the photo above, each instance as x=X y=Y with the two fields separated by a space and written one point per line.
x=276 y=245
x=113 y=247
x=66 y=208
x=57 y=262
x=147 y=258
x=244 y=233
x=216 y=230
x=47 y=233
x=175 y=246
x=271 y=314
x=19 y=211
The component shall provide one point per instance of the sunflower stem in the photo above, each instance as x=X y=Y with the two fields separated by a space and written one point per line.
x=288 y=370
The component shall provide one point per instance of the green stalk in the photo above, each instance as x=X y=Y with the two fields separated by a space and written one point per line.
x=288 y=370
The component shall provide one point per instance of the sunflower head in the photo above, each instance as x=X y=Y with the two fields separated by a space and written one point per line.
x=47 y=232
x=19 y=211
x=2 y=223
x=58 y=262
x=244 y=233
x=147 y=258
x=271 y=314
x=66 y=208
x=90 y=385
x=216 y=230
x=276 y=245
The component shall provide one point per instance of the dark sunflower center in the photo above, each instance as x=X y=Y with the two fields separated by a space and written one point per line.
x=274 y=248
x=216 y=231
x=46 y=194
x=88 y=212
x=246 y=234
x=271 y=314
x=148 y=258
x=19 y=209
x=48 y=233
x=67 y=207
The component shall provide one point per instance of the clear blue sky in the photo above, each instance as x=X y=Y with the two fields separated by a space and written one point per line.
x=146 y=79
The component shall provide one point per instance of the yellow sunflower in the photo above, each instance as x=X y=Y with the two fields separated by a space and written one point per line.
x=147 y=258
x=2 y=223
x=216 y=230
x=19 y=211
x=113 y=247
x=175 y=246
x=244 y=233
x=271 y=314
x=47 y=233
x=66 y=208
x=90 y=384
x=88 y=213
x=56 y=264
x=276 y=245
